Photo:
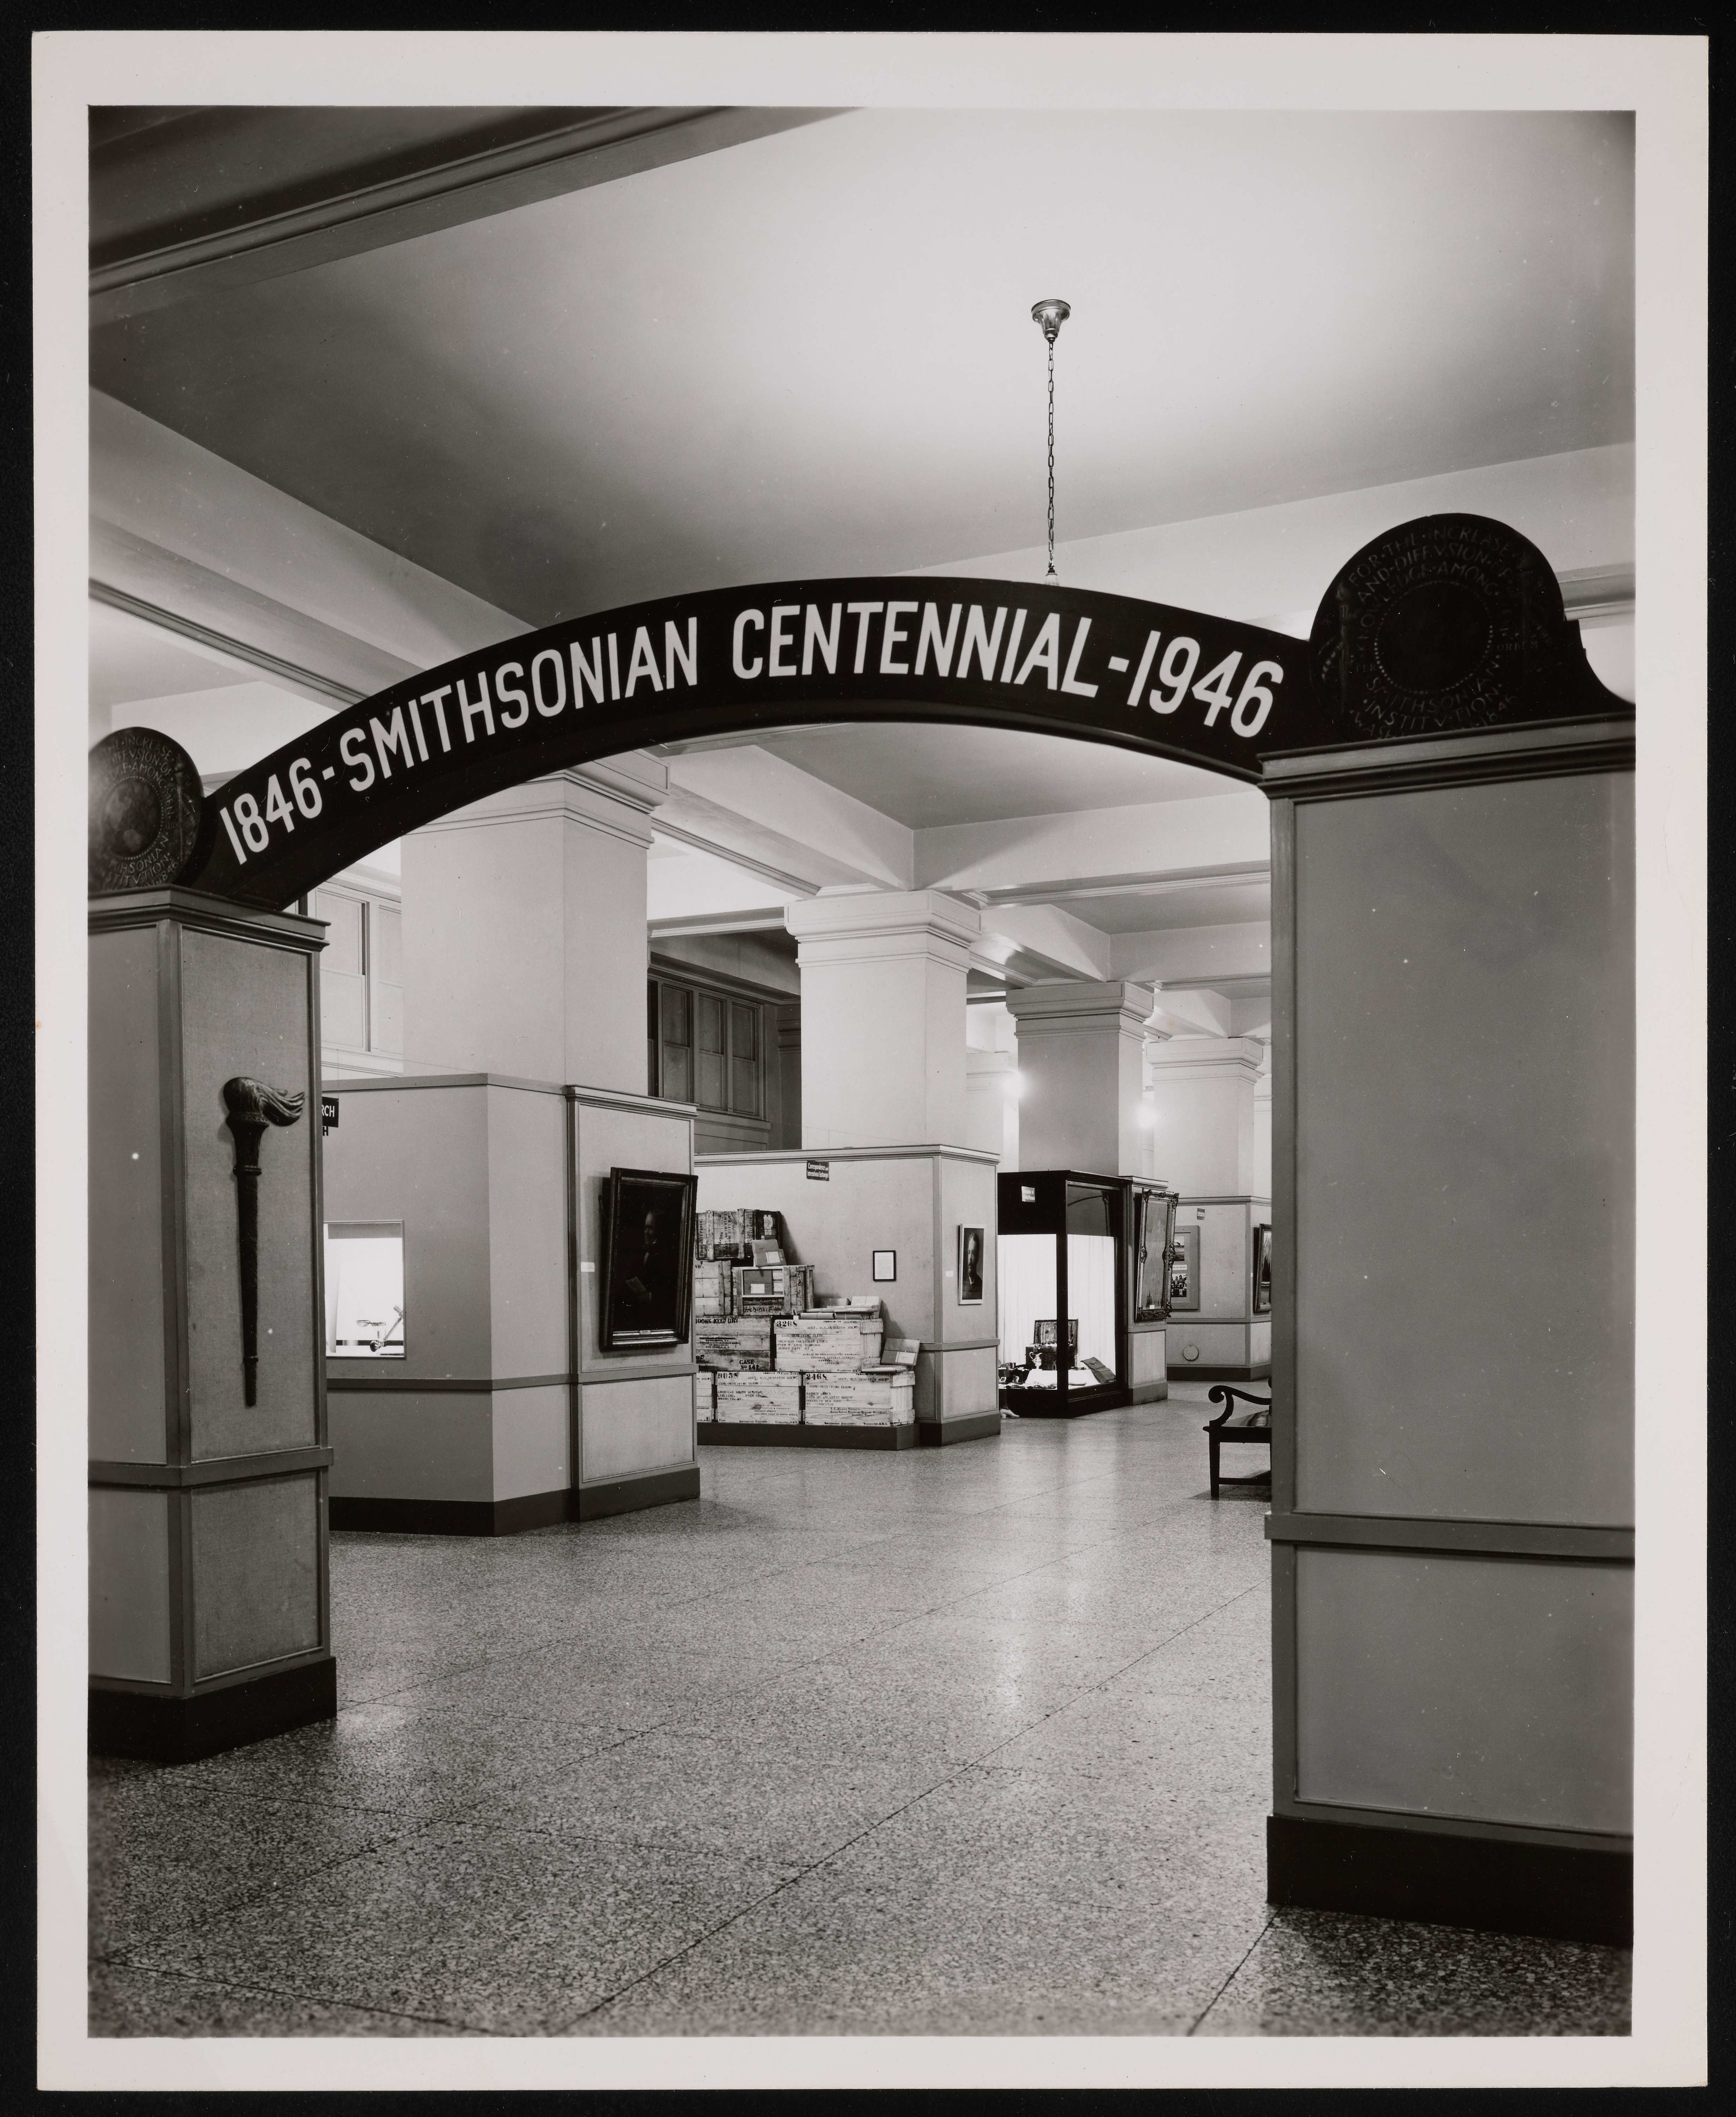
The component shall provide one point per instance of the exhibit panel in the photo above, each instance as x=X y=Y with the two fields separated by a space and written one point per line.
x=1381 y=1727
x=1452 y=1305
x=1218 y=1330
x=1473 y=1245
x=208 y=1620
x=443 y=1421
x=633 y=1408
x=889 y=1225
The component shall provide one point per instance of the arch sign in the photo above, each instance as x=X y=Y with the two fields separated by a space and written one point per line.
x=1449 y=622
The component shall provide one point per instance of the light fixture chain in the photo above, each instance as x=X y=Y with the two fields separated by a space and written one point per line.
x=1051 y=457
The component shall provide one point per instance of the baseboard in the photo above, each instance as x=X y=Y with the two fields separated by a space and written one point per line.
x=626 y=1496
x=943 y=1432
x=1147 y=1392
x=715 y=1434
x=452 y=1517
x=1498 y=1885
x=167 y=1730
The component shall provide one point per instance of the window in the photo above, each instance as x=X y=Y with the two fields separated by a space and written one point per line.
x=361 y=974
x=706 y=1048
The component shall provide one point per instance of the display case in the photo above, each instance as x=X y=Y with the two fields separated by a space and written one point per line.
x=1062 y=1259
x=1152 y=1221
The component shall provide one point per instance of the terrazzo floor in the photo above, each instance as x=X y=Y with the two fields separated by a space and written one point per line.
x=962 y=1740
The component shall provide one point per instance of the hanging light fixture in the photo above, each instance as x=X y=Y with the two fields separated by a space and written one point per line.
x=1051 y=314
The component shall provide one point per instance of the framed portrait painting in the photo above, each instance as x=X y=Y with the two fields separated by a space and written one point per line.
x=647 y=1259
x=970 y=1266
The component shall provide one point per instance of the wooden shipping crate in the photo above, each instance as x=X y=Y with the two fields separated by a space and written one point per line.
x=824 y=1342
x=766 y=1398
x=886 y=1397
x=744 y=1342
x=711 y=1293
x=775 y=1289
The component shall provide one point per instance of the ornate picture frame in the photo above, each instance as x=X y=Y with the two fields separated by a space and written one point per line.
x=647 y=1293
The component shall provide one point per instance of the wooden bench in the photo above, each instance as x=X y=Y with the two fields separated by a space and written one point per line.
x=1253 y=1427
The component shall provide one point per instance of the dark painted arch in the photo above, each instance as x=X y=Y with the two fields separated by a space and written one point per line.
x=1450 y=622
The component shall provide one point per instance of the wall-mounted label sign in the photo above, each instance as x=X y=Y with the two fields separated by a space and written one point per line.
x=819 y=1172
x=1058 y=661
x=328 y=1113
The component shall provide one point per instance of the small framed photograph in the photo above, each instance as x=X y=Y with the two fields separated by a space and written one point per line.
x=970 y=1267
x=885 y=1264
x=1184 y=1270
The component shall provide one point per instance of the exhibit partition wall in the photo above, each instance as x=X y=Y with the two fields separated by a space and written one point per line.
x=495 y=1404
x=884 y=1223
x=1452 y=1491
x=209 y=1456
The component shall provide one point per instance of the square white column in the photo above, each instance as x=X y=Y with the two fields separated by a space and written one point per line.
x=883 y=1028
x=1202 y=1108
x=1081 y=1052
x=524 y=949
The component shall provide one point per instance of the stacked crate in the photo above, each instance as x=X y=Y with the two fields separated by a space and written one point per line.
x=873 y=1396
x=829 y=1340
x=771 y=1288
x=711 y=1291
x=742 y=1343
x=757 y=1397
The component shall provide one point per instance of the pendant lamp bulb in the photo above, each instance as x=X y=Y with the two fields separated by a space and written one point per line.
x=1051 y=315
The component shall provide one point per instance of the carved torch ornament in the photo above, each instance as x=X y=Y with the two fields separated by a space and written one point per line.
x=251 y=1107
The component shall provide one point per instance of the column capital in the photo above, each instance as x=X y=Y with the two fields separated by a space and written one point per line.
x=617 y=794
x=883 y=923
x=1066 y=1007
x=1182 y=1056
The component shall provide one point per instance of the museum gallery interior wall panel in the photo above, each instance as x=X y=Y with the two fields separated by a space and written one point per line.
x=910 y=1201
x=1465 y=1152
x=636 y=1409
x=255 y=1573
x=967 y=1200
x=246 y=1011
x=130 y=1608
x=623 y=1134
x=641 y=1424
x=418 y=1152
x=1385 y=1725
x=872 y=1199
x=410 y=1445
x=128 y=1408
x=476 y=1171
x=527 y=1233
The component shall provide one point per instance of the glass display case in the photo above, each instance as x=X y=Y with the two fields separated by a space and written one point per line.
x=1062 y=1254
x=364 y=1289
x=1263 y=1268
x=1152 y=1219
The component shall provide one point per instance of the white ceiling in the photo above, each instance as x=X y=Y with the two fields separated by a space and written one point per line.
x=812 y=353
x=925 y=775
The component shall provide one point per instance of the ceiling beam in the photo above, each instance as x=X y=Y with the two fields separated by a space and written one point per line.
x=1232 y=875
x=571 y=152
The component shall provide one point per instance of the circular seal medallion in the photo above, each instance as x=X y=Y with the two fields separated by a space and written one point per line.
x=1444 y=623
x=145 y=801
